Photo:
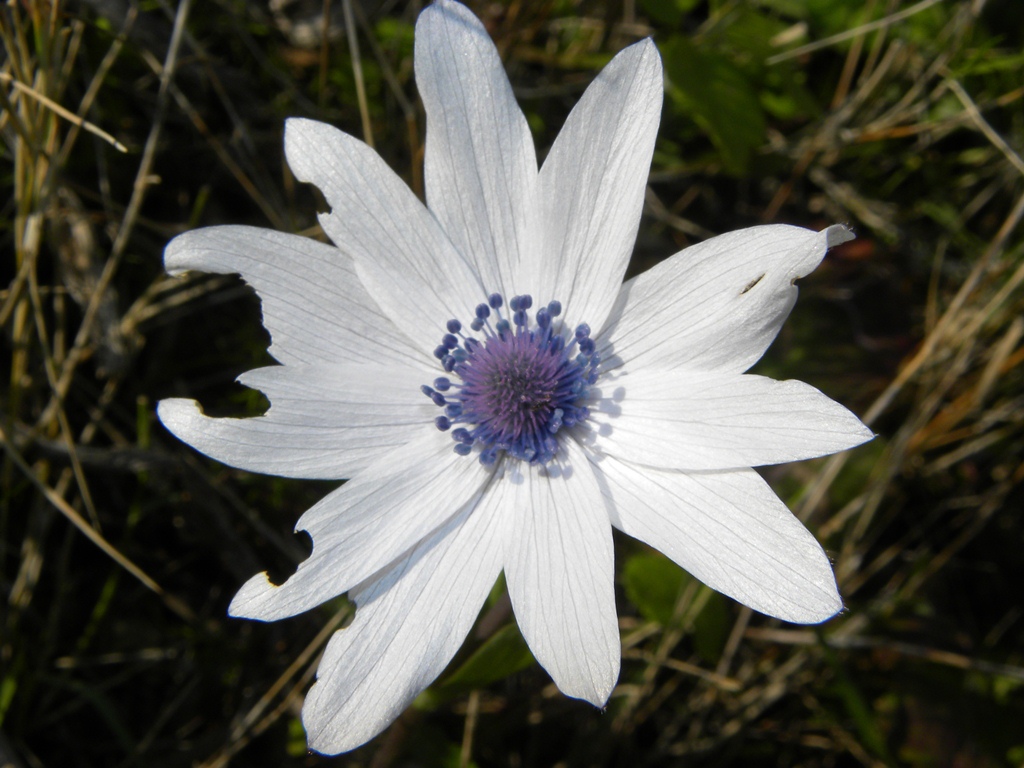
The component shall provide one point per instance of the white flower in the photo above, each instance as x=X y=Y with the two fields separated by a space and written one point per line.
x=542 y=428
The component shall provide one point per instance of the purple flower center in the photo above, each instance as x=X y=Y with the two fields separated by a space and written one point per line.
x=518 y=386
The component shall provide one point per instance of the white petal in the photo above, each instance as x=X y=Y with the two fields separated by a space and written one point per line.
x=480 y=166
x=695 y=420
x=324 y=422
x=409 y=623
x=717 y=305
x=368 y=523
x=731 y=531
x=403 y=257
x=559 y=565
x=314 y=306
x=592 y=186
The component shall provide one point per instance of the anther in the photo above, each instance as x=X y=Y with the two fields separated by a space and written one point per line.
x=519 y=384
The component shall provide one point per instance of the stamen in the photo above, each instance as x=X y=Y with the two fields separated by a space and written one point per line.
x=520 y=386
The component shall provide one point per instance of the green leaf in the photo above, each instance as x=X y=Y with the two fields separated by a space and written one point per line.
x=501 y=655
x=653 y=583
x=748 y=34
x=396 y=34
x=785 y=95
x=718 y=96
x=855 y=475
x=1004 y=687
x=8 y=686
x=712 y=626
x=296 y=744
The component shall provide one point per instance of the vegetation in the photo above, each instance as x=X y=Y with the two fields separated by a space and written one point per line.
x=124 y=123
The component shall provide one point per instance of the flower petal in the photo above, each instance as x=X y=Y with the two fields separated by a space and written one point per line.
x=480 y=166
x=409 y=623
x=314 y=306
x=403 y=257
x=729 y=530
x=592 y=187
x=324 y=422
x=694 y=420
x=368 y=523
x=559 y=565
x=717 y=305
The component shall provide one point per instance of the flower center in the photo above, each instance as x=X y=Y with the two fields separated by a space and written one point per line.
x=518 y=386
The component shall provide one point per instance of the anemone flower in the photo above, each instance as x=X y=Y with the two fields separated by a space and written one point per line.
x=496 y=397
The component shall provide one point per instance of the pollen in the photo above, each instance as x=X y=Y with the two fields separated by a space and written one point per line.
x=514 y=389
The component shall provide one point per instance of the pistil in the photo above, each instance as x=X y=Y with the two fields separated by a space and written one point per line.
x=515 y=389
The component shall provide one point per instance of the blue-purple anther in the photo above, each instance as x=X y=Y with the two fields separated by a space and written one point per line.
x=517 y=386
